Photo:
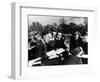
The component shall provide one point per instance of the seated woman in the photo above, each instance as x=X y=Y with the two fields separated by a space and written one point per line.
x=74 y=58
x=45 y=45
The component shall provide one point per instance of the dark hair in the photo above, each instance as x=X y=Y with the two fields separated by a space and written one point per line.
x=44 y=33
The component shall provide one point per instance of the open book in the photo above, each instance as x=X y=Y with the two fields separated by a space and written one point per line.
x=53 y=53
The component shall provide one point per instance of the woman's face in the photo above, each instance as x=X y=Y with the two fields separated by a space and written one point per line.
x=54 y=34
x=38 y=37
x=76 y=36
x=48 y=37
x=59 y=35
x=85 y=39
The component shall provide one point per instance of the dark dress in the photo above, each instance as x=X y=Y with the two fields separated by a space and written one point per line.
x=85 y=47
x=59 y=43
x=75 y=43
x=51 y=45
x=72 y=60
x=31 y=52
x=79 y=43
x=41 y=51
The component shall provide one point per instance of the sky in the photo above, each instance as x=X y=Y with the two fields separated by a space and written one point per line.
x=44 y=20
